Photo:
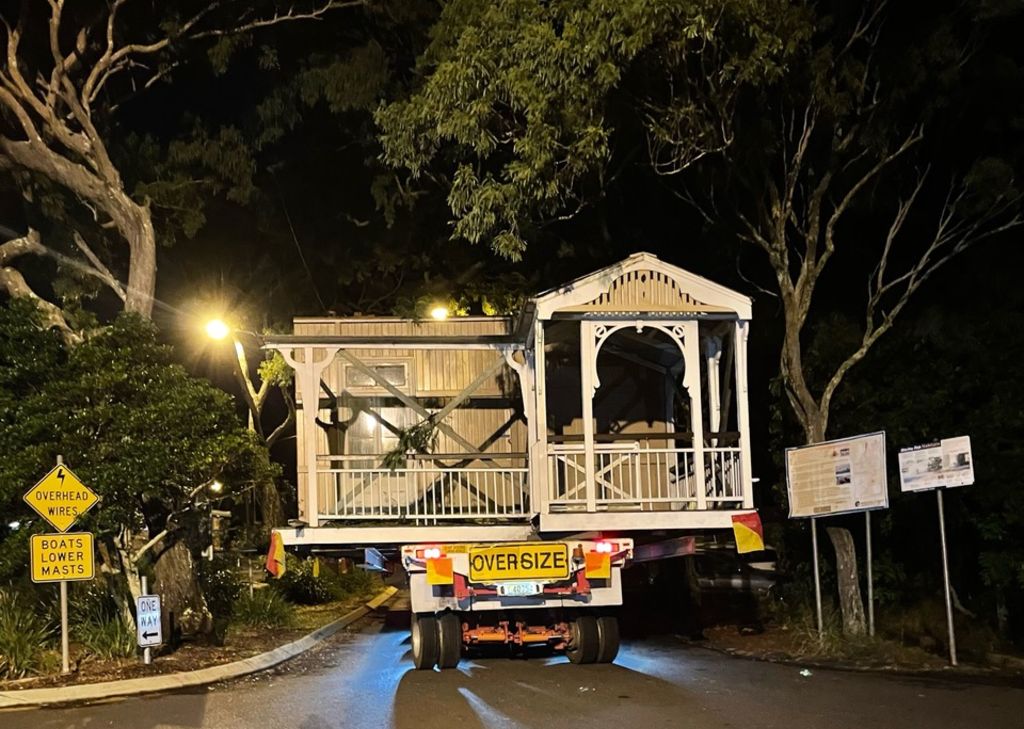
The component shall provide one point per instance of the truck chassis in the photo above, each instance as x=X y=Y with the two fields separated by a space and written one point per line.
x=557 y=594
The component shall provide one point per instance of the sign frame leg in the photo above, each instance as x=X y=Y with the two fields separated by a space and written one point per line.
x=945 y=580
x=817 y=577
x=65 y=651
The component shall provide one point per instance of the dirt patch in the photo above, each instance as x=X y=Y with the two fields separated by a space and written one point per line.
x=781 y=643
x=242 y=642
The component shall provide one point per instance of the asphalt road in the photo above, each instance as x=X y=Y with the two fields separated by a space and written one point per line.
x=364 y=679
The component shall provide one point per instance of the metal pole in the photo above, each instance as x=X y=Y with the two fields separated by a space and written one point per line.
x=871 y=581
x=65 y=649
x=817 y=578
x=945 y=580
x=147 y=652
x=65 y=653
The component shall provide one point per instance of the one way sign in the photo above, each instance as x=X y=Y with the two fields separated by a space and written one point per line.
x=147 y=620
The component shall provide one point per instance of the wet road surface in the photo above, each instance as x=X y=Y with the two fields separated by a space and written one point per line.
x=364 y=678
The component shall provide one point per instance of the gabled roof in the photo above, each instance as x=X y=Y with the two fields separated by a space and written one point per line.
x=695 y=293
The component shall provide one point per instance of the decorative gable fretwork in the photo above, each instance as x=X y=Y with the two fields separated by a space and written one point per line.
x=643 y=289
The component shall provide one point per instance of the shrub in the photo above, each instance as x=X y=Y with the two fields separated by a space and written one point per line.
x=97 y=624
x=24 y=636
x=221 y=585
x=358 y=582
x=301 y=586
x=265 y=609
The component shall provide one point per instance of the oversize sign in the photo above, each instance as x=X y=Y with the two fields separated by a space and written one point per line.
x=837 y=476
x=57 y=557
x=519 y=562
x=60 y=498
x=937 y=465
x=147 y=621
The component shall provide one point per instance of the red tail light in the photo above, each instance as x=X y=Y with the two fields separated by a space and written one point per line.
x=606 y=547
x=429 y=553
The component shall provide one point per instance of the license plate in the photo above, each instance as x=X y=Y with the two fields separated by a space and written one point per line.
x=520 y=589
x=519 y=562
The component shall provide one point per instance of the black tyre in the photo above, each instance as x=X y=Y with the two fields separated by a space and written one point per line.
x=583 y=640
x=450 y=643
x=608 y=638
x=425 y=639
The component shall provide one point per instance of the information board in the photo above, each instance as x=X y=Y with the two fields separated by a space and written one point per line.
x=837 y=476
x=937 y=465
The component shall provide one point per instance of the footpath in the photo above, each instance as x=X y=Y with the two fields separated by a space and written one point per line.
x=173 y=681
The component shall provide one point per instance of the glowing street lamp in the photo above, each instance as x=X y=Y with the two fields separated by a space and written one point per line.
x=439 y=312
x=216 y=487
x=217 y=329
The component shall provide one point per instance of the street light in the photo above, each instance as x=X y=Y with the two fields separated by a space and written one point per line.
x=216 y=487
x=439 y=312
x=217 y=329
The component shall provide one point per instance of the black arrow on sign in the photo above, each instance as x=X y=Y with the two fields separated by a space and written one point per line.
x=150 y=635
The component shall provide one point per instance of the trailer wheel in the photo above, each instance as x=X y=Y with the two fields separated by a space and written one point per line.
x=584 y=641
x=450 y=643
x=608 y=638
x=425 y=647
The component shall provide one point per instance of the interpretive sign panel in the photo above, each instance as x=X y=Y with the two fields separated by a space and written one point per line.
x=937 y=465
x=837 y=476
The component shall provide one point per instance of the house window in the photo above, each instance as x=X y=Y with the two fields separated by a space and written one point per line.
x=396 y=374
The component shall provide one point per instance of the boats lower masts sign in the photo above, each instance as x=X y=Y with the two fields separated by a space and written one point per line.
x=147 y=621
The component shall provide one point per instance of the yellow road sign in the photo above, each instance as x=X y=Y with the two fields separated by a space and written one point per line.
x=60 y=498
x=57 y=557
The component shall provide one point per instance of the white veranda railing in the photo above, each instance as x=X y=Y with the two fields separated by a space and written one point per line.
x=424 y=490
x=632 y=476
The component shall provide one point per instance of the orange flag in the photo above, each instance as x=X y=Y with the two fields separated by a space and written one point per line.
x=748 y=531
x=275 y=556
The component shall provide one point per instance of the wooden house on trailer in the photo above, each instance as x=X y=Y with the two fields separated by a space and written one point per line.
x=616 y=402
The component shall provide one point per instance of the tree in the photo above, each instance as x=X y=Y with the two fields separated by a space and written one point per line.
x=810 y=134
x=66 y=72
x=149 y=438
x=520 y=105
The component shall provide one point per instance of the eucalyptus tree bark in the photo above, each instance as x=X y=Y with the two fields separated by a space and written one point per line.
x=831 y=163
x=55 y=100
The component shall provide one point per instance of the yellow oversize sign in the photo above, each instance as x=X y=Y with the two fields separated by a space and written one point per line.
x=533 y=561
x=60 y=498
x=57 y=557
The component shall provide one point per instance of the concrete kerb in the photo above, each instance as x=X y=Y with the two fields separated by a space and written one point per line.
x=171 y=681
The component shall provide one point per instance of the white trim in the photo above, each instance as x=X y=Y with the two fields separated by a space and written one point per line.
x=691 y=381
x=743 y=412
x=359 y=535
x=637 y=520
x=587 y=288
x=307 y=382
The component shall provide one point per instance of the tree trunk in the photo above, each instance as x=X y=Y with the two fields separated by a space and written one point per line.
x=271 y=510
x=185 y=612
x=850 y=602
x=141 y=239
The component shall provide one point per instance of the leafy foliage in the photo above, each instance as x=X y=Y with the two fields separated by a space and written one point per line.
x=266 y=608
x=134 y=426
x=300 y=585
x=23 y=635
x=517 y=102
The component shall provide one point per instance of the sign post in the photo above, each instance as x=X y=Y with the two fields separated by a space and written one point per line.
x=148 y=628
x=945 y=580
x=838 y=477
x=60 y=498
x=938 y=466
